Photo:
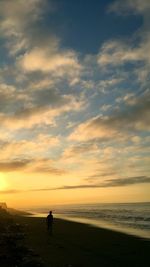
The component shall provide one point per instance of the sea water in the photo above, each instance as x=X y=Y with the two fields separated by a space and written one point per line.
x=131 y=218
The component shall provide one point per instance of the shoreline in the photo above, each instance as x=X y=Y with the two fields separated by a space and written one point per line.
x=78 y=244
x=99 y=224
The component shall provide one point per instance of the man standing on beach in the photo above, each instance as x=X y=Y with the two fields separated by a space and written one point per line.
x=49 y=221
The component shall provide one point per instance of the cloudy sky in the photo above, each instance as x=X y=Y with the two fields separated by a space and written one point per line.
x=74 y=101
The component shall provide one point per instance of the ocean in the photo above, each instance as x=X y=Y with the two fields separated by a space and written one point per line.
x=131 y=218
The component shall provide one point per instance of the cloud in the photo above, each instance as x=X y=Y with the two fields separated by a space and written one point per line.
x=31 y=166
x=80 y=150
x=128 y=181
x=28 y=117
x=110 y=82
x=128 y=99
x=134 y=6
x=49 y=60
x=100 y=174
x=16 y=18
x=13 y=165
x=17 y=14
x=37 y=50
x=120 y=52
x=117 y=52
x=27 y=148
x=107 y=183
x=50 y=170
x=105 y=107
x=35 y=53
x=46 y=166
x=7 y=93
x=40 y=112
x=135 y=118
x=10 y=191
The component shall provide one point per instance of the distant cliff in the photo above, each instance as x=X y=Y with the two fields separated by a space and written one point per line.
x=3 y=205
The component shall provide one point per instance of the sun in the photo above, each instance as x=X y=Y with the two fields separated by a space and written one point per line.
x=3 y=183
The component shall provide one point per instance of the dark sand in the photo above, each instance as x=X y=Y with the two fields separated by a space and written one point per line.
x=14 y=251
x=75 y=244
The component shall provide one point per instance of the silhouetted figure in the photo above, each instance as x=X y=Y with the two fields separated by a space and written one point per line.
x=49 y=221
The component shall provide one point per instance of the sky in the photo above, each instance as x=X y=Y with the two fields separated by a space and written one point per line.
x=74 y=101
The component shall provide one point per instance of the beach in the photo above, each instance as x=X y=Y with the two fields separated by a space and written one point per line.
x=25 y=242
x=77 y=244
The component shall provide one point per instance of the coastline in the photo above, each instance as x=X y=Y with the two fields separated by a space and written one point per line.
x=78 y=244
x=99 y=224
x=129 y=218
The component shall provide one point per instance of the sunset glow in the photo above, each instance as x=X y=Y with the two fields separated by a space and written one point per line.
x=74 y=101
x=3 y=184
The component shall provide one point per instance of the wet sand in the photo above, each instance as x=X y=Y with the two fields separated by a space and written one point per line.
x=77 y=244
